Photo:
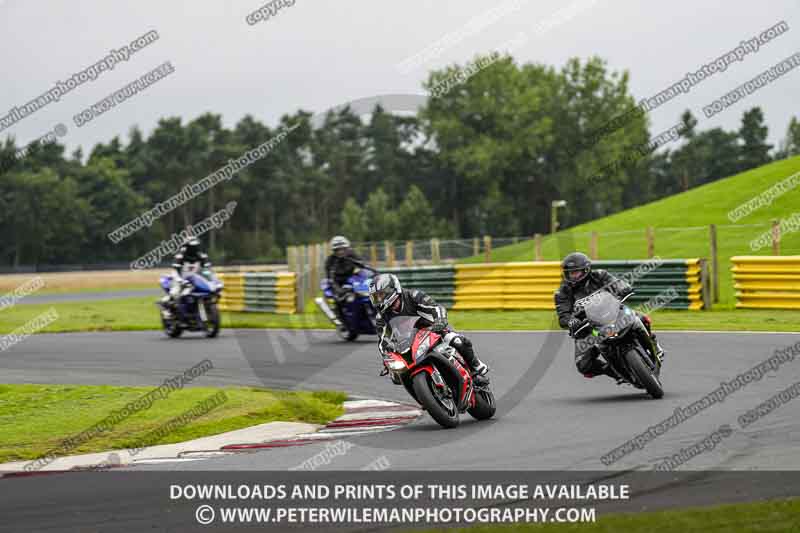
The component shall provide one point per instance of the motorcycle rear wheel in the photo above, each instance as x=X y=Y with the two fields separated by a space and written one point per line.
x=644 y=375
x=445 y=415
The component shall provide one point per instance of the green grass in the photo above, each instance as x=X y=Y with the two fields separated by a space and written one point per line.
x=141 y=314
x=777 y=516
x=681 y=226
x=34 y=419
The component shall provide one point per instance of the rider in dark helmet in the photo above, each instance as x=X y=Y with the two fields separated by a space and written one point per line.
x=390 y=300
x=579 y=281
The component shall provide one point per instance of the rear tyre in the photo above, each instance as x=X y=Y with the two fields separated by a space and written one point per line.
x=643 y=374
x=441 y=408
x=484 y=407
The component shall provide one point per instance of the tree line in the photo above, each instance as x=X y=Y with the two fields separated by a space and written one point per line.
x=486 y=157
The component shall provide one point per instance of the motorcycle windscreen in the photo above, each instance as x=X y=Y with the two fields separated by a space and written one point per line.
x=602 y=308
x=200 y=283
x=403 y=332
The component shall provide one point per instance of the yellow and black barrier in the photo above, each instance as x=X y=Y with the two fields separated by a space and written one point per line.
x=259 y=292
x=767 y=282
x=670 y=284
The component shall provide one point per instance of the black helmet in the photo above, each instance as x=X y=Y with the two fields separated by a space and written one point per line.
x=575 y=268
x=191 y=249
x=384 y=290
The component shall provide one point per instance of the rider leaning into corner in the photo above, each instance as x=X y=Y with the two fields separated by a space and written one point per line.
x=390 y=301
x=579 y=281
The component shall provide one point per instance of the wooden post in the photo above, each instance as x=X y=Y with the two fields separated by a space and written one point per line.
x=476 y=246
x=537 y=247
x=300 y=276
x=704 y=284
x=651 y=245
x=593 y=246
x=436 y=258
x=373 y=254
x=776 y=237
x=291 y=258
x=409 y=253
x=389 y=254
x=487 y=245
x=712 y=230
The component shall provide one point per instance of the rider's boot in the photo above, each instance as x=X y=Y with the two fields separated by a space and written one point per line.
x=464 y=347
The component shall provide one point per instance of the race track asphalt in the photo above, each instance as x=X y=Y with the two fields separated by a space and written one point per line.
x=549 y=417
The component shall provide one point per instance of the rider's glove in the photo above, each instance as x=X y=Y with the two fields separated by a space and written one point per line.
x=574 y=324
x=439 y=325
x=380 y=323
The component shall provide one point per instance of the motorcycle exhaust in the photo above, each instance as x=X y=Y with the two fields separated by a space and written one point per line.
x=327 y=311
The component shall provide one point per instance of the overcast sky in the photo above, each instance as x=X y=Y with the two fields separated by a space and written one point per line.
x=317 y=54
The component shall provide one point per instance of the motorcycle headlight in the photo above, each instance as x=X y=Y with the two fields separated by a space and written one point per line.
x=396 y=365
x=609 y=331
x=422 y=349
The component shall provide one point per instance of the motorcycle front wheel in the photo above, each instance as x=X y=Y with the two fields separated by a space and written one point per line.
x=484 y=407
x=212 y=322
x=171 y=328
x=441 y=407
x=644 y=374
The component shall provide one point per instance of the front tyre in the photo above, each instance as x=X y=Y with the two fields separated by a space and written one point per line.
x=346 y=334
x=484 y=407
x=644 y=374
x=171 y=327
x=212 y=320
x=440 y=405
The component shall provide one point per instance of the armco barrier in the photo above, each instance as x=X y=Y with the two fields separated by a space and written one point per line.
x=532 y=285
x=767 y=282
x=263 y=292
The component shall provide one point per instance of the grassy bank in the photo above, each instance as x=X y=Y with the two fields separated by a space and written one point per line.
x=141 y=314
x=779 y=516
x=681 y=225
x=34 y=419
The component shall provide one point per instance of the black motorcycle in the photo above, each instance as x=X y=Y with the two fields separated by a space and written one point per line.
x=621 y=337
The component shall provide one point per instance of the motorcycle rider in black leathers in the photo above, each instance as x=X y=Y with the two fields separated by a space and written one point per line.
x=390 y=301
x=579 y=281
x=189 y=259
x=339 y=266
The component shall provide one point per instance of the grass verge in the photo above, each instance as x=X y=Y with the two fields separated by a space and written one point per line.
x=141 y=314
x=35 y=419
x=776 y=516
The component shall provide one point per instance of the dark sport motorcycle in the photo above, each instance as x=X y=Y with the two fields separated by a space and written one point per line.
x=357 y=313
x=621 y=337
x=196 y=308
x=435 y=374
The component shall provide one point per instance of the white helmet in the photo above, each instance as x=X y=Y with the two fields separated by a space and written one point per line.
x=339 y=242
x=384 y=290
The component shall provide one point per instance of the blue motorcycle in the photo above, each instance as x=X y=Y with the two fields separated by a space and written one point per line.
x=196 y=307
x=356 y=315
